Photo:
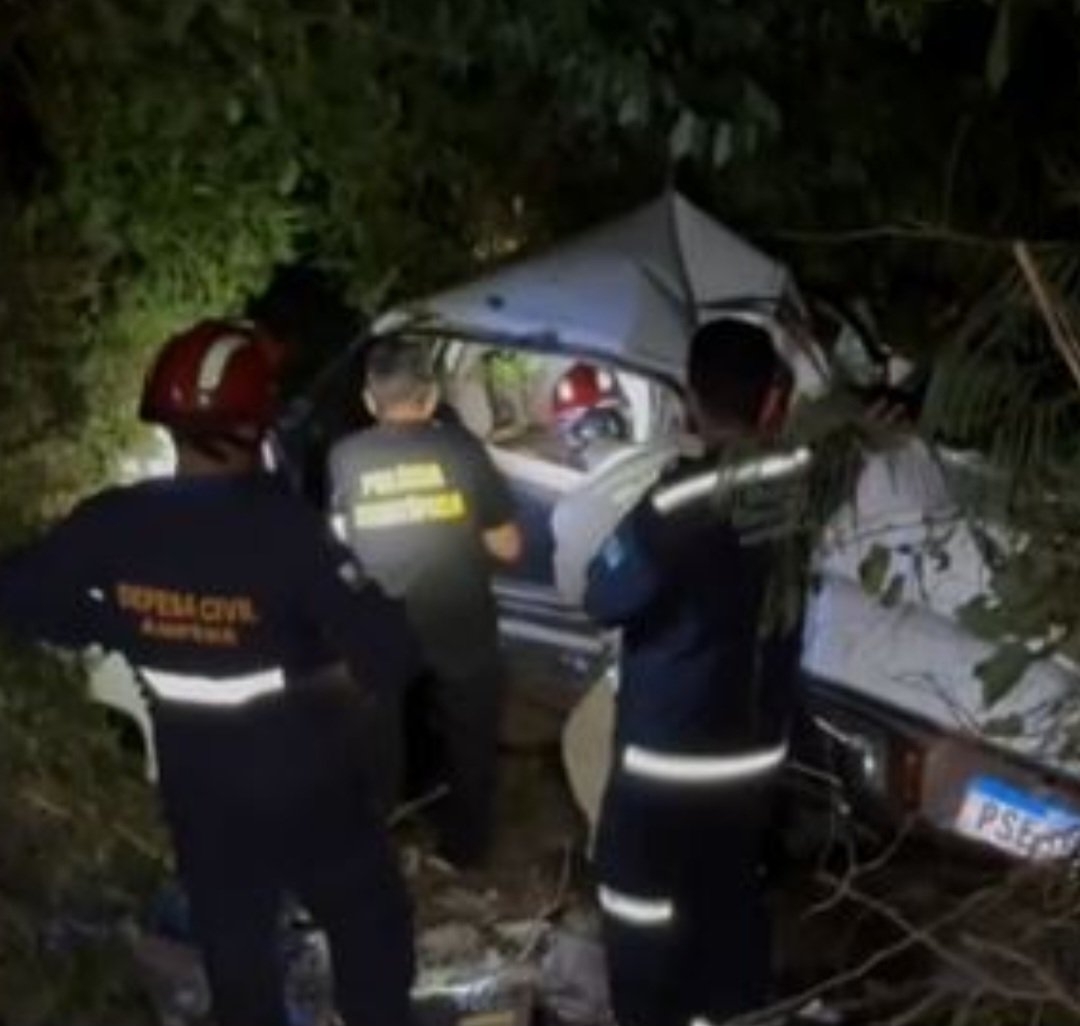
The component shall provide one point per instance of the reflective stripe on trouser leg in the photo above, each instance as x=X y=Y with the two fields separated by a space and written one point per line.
x=701 y=769
x=634 y=910
x=210 y=691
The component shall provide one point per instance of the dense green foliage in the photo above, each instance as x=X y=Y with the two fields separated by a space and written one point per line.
x=79 y=853
x=158 y=158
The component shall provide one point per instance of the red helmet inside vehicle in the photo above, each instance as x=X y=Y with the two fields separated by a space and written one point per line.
x=584 y=388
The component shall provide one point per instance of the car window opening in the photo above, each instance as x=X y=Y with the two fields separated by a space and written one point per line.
x=569 y=412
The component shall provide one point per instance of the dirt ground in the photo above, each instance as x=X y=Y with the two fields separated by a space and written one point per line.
x=829 y=925
x=537 y=865
x=518 y=944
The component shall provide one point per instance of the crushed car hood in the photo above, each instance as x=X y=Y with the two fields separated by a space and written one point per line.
x=629 y=291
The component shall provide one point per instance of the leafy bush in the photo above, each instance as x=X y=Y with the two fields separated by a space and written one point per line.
x=80 y=850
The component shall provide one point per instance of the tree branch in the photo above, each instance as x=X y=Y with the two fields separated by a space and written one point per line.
x=1057 y=324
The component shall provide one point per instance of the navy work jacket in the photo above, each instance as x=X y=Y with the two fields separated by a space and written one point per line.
x=690 y=582
x=228 y=598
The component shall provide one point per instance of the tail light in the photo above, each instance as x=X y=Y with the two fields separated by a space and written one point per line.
x=909 y=777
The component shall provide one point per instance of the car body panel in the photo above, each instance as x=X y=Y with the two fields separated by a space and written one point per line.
x=111 y=683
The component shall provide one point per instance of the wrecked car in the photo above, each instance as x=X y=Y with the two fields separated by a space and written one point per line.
x=896 y=727
x=891 y=690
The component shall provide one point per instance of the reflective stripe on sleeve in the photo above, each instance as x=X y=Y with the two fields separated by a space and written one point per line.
x=702 y=769
x=770 y=468
x=634 y=910
x=223 y=691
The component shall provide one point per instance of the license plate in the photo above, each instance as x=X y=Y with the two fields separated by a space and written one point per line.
x=1016 y=822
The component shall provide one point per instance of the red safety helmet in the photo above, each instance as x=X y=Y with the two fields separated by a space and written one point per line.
x=217 y=377
x=583 y=388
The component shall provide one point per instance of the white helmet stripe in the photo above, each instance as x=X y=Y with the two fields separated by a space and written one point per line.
x=216 y=359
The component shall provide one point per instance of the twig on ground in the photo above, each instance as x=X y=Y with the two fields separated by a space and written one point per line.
x=553 y=906
x=924 y=937
x=915 y=1013
x=417 y=805
x=1056 y=992
x=857 y=870
x=884 y=955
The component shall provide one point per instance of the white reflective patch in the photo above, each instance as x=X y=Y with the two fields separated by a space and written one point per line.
x=833 y=731
x=339 y=526
x=96 y=594
x=216 y=359
x=613 y=553
x=702 y=769
x=350 y=573
x=223 y=691
x=770 y=468
x=269 y=455
x=634 y=910
x=611 y=678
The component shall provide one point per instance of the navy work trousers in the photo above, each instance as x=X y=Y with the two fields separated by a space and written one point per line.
x=686 y=928
x=446 y=729
x=248 y=832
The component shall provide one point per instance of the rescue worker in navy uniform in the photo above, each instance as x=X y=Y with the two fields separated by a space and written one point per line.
x=703 y=703
x=425 y=509
x=233 y=604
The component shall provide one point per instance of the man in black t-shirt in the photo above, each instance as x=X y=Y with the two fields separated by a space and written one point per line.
x=421 y=503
